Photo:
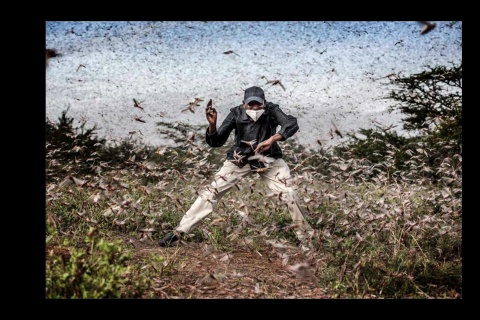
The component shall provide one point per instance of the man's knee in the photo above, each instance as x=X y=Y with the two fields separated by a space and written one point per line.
x=209 y=195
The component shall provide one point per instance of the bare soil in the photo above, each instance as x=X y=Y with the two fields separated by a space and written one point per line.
x=197 y=270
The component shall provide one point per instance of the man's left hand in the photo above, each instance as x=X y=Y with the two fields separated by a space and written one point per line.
x=263 y=146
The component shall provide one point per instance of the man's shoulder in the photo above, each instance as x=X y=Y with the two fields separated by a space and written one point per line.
x=272 y=105
x=236 y=110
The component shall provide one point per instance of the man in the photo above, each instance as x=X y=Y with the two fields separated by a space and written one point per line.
x=255 y=150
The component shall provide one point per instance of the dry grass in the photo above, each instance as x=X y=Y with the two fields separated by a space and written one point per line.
x=377 y=234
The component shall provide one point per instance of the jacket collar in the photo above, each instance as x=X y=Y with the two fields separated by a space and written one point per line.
x=244 y=116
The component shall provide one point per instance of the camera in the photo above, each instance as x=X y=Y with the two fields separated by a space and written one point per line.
x=245 y=154
x=257 y=166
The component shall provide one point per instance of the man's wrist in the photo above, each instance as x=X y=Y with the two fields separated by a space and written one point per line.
x=212 y=129
x=276 y=137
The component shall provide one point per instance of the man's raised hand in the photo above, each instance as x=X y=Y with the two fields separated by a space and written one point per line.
x=211 y=113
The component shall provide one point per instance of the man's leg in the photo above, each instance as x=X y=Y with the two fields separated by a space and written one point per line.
x=278 y=179
x=225 y=179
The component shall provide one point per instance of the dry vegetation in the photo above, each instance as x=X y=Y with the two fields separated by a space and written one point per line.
x=377 y=233
x=387 y=212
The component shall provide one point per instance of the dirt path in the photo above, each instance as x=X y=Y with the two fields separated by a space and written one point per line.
x=196 y=270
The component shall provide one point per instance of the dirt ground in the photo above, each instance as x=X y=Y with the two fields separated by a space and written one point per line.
x=196 y=270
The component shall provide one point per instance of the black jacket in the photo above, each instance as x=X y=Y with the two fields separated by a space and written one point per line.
x=246 y=129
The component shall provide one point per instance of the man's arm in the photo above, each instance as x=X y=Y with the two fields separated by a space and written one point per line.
x=288 y=123
x=212 y=128
x=216 y=137
x=289 y=127
x=265 y=145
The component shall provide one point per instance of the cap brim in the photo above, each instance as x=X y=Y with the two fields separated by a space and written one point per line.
x=250 y=99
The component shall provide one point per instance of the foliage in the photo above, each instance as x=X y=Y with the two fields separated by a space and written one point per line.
x=100 y=271
x=387 y=210
x=68 y=144
x=432 y=104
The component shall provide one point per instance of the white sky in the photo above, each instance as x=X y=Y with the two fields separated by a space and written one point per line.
x=326 y=67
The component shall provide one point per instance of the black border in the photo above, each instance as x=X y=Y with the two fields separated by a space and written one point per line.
x=238 y=11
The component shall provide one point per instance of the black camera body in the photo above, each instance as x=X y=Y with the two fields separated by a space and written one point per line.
x=240 y=155
x=257 y=166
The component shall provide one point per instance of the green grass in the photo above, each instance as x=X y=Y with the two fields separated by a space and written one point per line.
x=395 y=240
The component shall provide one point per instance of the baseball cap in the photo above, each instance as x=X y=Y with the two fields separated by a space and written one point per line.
x=254 y=93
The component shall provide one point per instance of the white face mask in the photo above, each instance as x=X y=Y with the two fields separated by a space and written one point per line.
x=255 y=114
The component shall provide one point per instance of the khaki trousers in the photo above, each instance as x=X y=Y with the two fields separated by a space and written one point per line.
x=277 y=178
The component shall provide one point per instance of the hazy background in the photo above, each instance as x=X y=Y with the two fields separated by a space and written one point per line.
x=331 y=70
